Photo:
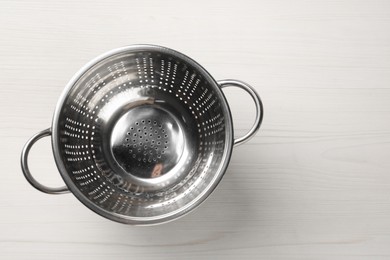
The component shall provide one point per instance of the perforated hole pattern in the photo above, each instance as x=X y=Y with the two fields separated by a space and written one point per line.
x=80 y=137
x=149 y=138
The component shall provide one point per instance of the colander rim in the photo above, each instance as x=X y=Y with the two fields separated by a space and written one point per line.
x=229 y=135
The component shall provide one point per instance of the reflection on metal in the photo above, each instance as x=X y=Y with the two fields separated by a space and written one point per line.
x=142 y=134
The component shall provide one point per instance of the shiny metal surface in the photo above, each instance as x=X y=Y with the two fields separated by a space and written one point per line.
x=258 y=104
x=143 y=134
x=153 y=142
x=26 y=170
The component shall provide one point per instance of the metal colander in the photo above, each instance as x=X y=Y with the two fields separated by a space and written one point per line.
x=142 y=134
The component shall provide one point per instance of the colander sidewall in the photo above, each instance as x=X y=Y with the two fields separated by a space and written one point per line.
x=229 y=135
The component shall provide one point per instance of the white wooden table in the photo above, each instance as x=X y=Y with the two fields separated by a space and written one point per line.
x=313 y=184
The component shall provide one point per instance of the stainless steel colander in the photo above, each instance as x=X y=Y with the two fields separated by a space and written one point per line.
x=142 y=134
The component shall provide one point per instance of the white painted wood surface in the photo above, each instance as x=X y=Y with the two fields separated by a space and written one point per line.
x=313 y=184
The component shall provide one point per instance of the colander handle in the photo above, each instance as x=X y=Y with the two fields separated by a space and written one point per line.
x=259 y=107
x=26 y=170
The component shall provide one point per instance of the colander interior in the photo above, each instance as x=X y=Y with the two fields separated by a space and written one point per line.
x=143 y=134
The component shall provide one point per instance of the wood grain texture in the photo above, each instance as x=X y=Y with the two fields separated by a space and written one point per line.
x=313 y=184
